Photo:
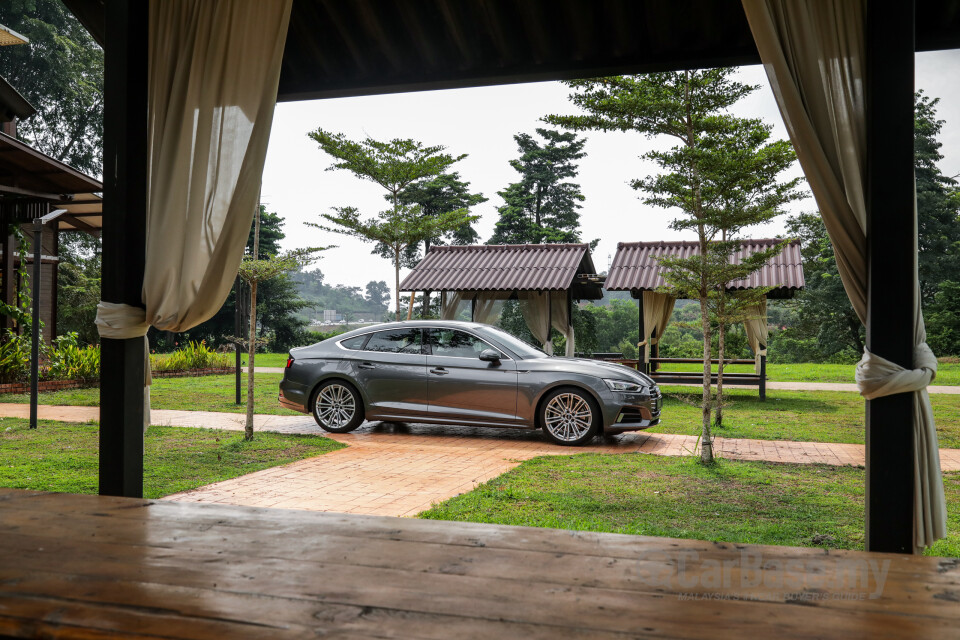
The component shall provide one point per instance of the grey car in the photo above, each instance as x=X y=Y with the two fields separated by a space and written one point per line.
x=463 y=373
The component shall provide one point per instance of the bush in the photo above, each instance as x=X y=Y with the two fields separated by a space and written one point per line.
x=193 y=355
x=68 y=361
x=14 y=358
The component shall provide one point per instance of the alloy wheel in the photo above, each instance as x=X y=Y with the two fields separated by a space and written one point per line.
x=336 y=406
x=568 y=417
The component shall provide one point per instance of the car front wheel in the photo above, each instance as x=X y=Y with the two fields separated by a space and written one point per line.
x=570 y=417
x=337 y=407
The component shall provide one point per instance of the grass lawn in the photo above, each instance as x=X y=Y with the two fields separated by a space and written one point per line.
x=947 y=373
x=60 y=456
x=731 y=501
x=205 y=393
x=269 y=359
x=821 y=416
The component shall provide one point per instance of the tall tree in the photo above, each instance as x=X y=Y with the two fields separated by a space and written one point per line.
x=394 y=165
x=60 y=72
x=938 y=204
x=715 y=156
x=543 y=206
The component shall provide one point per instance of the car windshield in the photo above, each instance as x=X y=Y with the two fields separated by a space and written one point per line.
x=523 y=349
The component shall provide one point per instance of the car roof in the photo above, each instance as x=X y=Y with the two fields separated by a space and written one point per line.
x=413 y=324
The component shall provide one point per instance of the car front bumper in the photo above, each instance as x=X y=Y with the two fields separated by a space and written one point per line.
x=636 y=412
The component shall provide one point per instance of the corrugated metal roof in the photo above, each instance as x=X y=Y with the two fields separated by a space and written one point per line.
x=504 y=267
x=635 y=266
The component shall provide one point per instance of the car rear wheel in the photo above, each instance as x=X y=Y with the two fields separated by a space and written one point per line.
x=570 y=417
x=337 y=407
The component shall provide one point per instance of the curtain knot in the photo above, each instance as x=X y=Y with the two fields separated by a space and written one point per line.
x=877 y=377
x=121 y=321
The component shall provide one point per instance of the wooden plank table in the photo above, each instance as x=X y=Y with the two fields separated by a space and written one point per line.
x=97 y=567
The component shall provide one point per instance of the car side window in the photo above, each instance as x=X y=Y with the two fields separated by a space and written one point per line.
x=395 y=341
x=354 y=343
x=456 y=344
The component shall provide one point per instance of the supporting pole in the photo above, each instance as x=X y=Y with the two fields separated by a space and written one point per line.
x=35 y=321
x=237 y=331
x=642 y=365
x=891 y=260
x=124 y=241
x=413 y=298
x=763 y=376
x=7 y=283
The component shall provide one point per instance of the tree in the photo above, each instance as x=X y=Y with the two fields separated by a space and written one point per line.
x=938 y=204
x=394 y=165
x=542 y=207
x=716 y=156
x=60 y=72
x=78 y=286
x=253 y=271
x=378 y=293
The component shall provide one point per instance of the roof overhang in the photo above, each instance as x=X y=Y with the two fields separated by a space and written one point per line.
x=337 y=49
x=12 y=104
x=26 y=172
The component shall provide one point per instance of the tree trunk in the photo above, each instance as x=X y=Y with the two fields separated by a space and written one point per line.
x=721 y=337
x=251 y=355
x=396 y=270
x=252 y=347
x=706 y=440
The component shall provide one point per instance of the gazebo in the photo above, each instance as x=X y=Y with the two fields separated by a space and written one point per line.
x=544 y=278
x=843 y=76
x=636 y=268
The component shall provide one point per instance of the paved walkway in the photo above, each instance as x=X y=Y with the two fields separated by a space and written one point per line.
x=401 y=469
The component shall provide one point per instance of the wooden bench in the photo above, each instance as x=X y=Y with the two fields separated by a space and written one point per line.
x=652 y=369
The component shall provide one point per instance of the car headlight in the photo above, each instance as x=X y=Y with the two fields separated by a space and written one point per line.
x=624 y=385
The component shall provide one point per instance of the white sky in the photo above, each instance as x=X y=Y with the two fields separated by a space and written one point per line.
x=482 y=122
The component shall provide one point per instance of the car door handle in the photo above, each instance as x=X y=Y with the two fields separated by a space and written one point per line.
x=440 y=371
x=366 y=365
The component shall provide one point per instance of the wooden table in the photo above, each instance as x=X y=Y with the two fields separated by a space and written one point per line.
x=97 y=567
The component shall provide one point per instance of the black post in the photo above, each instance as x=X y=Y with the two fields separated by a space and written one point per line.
x=8 y=286
x=35 y=321
x=763 y=377
x=238 y=331
x=891 y=259
x=124 y=239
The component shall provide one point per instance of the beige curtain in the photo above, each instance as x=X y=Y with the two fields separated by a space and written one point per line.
x=536 y=309
x=813 y=53
x=214 y=66
x=657 y=309
x=560 y=318
x=488 y=305
x=755 y=325
x=450 y=304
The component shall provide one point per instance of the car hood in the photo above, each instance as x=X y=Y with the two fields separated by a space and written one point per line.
x=598 y=368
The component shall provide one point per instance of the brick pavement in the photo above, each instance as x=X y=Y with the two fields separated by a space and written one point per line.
x=401 y=469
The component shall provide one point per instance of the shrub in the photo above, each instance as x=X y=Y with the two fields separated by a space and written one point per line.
x=193 y=355
x=68 y=361
x=14 y=358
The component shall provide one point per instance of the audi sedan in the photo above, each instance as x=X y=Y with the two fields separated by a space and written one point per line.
x=463 y=373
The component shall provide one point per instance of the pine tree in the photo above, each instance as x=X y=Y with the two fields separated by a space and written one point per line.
x=543 y=207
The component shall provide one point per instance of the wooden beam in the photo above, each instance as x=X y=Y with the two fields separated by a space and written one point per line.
x=80 y=225
x=891 y=260
x=124 y=240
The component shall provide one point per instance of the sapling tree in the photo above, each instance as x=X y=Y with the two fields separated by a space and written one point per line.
x=253 y=271
x=714 y=156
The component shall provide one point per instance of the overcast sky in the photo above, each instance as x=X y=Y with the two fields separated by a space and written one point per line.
x=481 y=122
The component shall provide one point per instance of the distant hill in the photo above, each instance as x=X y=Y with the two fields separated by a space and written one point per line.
x=350 y=303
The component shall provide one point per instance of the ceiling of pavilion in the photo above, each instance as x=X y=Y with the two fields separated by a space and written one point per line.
x=358 y=47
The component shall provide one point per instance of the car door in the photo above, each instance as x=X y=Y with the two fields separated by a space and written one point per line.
x=391 y=371
x=460 y=385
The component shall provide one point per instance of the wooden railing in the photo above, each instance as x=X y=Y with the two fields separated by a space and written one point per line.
x=652 y=368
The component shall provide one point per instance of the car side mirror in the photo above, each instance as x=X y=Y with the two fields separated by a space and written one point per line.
x=489 y=355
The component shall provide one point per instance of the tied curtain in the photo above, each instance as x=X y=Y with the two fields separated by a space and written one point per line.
x=487 y=305
x=214 y=67
x=536 y=310
x=561 y=321
x=755 y=325
x=657 y=309
x=813 y=53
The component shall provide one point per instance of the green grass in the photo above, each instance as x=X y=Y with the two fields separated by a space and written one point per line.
x=731 y=501
x=269 y=359
x=818 y=416
x=60 y=456
x=205 y=393
x=947 y=373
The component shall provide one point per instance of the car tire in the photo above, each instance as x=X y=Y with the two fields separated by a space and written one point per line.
x=337 y=406
x=570 y=416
